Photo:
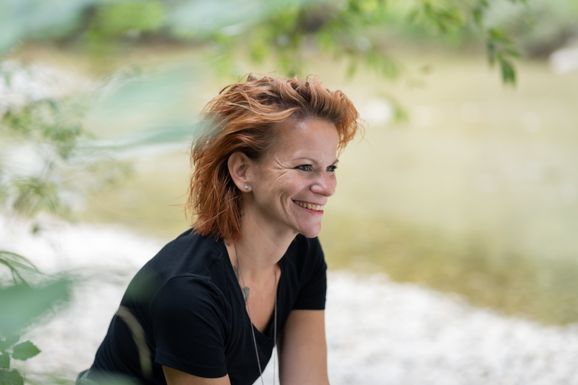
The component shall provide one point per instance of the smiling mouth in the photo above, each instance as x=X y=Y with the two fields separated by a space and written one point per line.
x=309 y=206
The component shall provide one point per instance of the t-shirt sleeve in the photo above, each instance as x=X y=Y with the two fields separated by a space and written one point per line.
x=313 y=290
x=188 y=315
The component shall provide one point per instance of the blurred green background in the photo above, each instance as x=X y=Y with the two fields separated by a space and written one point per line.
x=464 y=179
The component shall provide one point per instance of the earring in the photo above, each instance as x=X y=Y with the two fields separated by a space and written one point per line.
x=247 y=187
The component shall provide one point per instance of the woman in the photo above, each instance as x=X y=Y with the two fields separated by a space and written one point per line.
x=211 y=305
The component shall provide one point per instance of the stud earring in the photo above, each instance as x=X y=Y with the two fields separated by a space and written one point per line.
x=247 y=187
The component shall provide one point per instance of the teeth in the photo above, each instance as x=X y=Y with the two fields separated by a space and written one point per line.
x=309 y=206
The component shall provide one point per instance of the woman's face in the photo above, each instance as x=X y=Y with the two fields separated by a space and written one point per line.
x=294 y=179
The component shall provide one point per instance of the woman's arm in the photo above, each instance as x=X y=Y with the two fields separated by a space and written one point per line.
x=303 y=350
x=177 y=377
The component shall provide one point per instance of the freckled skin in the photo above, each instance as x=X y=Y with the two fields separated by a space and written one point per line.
x=299 y=167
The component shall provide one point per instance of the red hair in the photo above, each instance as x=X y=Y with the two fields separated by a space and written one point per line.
x=241 y=119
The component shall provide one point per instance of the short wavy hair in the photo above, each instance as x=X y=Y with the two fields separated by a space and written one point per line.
x=242 y=119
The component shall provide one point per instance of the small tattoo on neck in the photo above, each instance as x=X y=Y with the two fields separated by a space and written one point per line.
x=245 y=291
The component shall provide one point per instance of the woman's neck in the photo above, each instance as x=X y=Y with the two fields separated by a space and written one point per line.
x=259 y=247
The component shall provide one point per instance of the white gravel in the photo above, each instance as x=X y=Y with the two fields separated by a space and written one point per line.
x=379 y=332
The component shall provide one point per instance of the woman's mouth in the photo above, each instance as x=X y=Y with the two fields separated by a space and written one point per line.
x=310 y=206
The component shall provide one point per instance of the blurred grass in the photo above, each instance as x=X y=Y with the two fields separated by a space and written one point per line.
x=476 y=194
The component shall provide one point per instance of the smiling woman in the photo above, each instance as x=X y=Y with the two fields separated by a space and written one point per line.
x=292 y=181
x=212 y=305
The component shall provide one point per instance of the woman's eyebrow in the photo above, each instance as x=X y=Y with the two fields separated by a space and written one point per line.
x=311 y=160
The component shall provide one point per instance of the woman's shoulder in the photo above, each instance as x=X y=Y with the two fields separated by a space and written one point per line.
x=190 y=240
x=189 y=257
x=304 y=253
x=190 y=252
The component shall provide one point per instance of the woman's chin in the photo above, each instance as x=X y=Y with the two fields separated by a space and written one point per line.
x=311 y=232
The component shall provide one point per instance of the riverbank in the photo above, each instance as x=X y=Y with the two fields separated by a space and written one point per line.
x=379 y=332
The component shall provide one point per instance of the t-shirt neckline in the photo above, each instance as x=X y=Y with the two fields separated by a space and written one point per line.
x=267 y=333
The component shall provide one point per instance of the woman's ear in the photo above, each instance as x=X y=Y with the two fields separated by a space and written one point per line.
x=239 y=169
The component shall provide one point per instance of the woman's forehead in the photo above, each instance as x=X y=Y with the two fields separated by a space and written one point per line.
x=310 y=138
x=310 y=130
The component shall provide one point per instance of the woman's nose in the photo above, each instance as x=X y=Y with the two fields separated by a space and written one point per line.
x=324 y=184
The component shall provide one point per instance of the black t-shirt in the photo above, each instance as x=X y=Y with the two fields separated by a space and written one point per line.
x=184 y=309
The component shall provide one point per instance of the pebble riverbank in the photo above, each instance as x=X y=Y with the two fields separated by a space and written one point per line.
x=379 y=332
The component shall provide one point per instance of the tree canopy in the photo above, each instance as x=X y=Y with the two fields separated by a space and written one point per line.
x=355 y=30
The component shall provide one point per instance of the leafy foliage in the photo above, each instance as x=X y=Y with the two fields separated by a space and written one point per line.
x=49 y=126
x=48 y=120
x=47 y=164
x=51 y=130
x=22 y=305
x=282 y=30
x=501 y=51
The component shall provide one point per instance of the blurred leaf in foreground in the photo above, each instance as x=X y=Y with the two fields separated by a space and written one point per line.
x=147 y=109
x=11 y=377
x=22 y=304
x=24 y=19
x=24 y=351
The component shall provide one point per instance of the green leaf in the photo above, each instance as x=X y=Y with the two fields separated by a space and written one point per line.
x=11 y=377
x=478 y=12
x=508 y=72
x=24 y=351
x=499 y=36
x=4 y=361
x=22 y=304
x=148 y=101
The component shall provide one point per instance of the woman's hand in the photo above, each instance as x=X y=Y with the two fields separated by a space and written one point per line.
x=177 y=377
x=303 y=350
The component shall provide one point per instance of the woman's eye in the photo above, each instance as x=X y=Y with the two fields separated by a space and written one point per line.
x=305 y=167
x=332 y=168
